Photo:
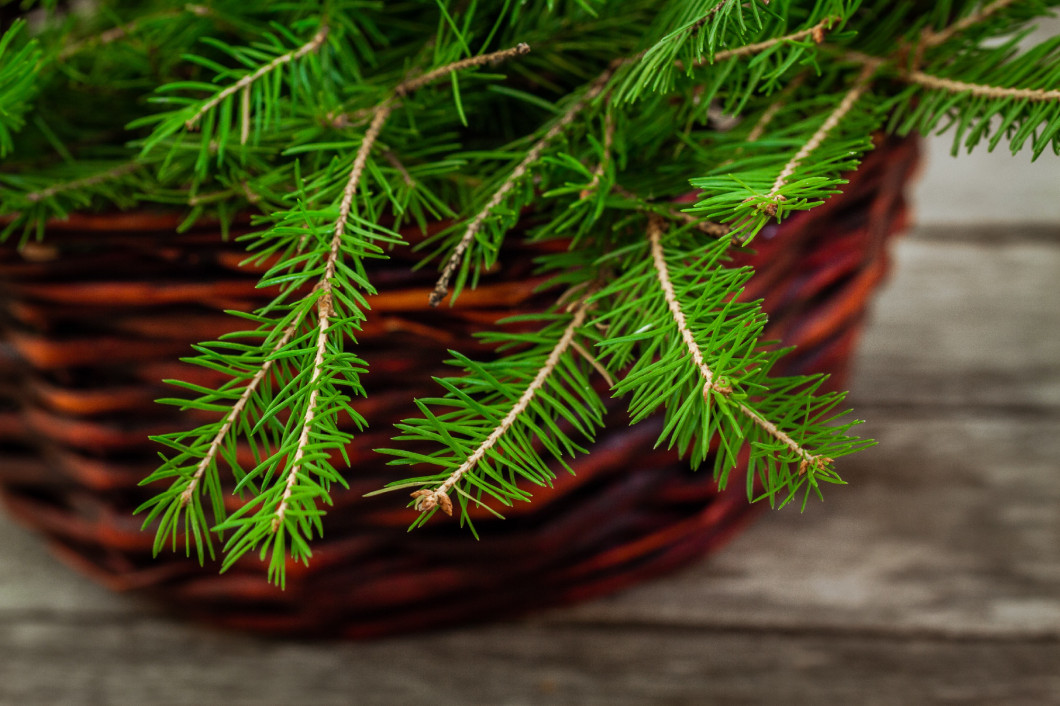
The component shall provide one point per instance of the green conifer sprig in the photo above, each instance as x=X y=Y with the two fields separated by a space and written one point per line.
x=18 y=69
x=339 y=121
x=497 y=424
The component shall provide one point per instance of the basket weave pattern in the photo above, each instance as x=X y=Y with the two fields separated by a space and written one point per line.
x=93 y=318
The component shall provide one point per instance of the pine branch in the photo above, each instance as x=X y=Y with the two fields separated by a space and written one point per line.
x=33 y=199
x=19 y=68
x=601 y=167
x=84 y=182
x=326 y=307
x=710 y=228
x=655 y=231
x=692 y=29
x=704 y=374
x=283 y=514
x=817 y=33
x=311 y=46
x=1033 y=95
x=472 y=62
x=128 y=29
x=934 y=39
x=766 y=119
x=326 y=127
x=426 y=500
x=861 y=85
x=533 y=155
x=210 y=457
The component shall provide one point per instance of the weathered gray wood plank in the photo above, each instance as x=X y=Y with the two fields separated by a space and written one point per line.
x=145 y=662
x=951 y=526
x=966 y=324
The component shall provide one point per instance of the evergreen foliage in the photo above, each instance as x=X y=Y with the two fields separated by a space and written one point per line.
x=338 y=121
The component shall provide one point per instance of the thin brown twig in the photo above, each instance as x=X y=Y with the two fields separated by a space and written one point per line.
x=121 y=31
x=419 y=82
x=441 y=288
x=927 y=80
x=310 y=46
x=396 y=164
x=609 y=139
x=709 y=15
x=244 y=115
x=1036 y=95
x=597 y=365
x=702 y=225
x=230 y=418
x=326 y=304
x=702 y=21
x=428 y=499
x=108 y=175
x=655 y=232
x=831 y=122
x=775 y=107
x=933 y=39
x=662 y=272
x=817 y=33
x=807 y=459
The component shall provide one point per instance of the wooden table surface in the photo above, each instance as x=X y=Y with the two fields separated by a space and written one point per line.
x=934 y=578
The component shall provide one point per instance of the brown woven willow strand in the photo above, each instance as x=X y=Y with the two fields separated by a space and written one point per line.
x=96 y=315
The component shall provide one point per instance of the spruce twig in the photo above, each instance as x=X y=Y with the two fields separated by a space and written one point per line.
x=76 y=184
x=710 y=384
x=312 y=45
x=831 y=122
x=212 y=450
x=120 y=32
x=816 y=33
x=1033 y=95
x=441 y=287
x=934 y=39
x=427 y=500
x=655 y=231
x=325 y=301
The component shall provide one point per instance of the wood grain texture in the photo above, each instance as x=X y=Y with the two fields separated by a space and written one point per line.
x=934 y=578
x=967 y=324
x=147 y=662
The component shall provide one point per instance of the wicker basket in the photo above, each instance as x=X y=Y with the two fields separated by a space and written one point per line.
x=100 y=312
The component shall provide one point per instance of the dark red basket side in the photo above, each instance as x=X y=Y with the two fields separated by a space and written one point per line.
x=95 y=316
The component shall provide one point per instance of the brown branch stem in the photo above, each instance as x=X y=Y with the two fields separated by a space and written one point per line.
x=816 y=32
x=702 y=225
x=933 y=39
x=108 y=175
x=310 y=46
x=419 y=82
x=927 y=80
x=655 y=232
x=233 y=414
x=428 y=499
x=807 y=459
x=326 y=304
x=121 y=31
x=609 y=139
x=662 y=272
x=831 y=122
x=775 y=107
x=1036 y=95
x=441 y=288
